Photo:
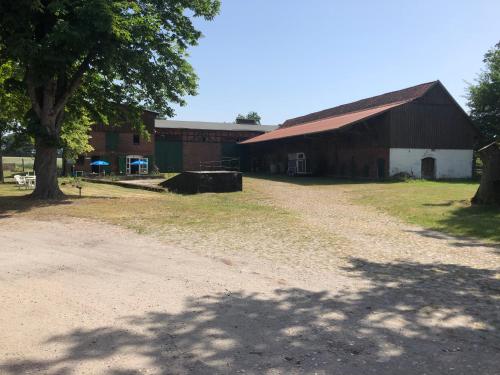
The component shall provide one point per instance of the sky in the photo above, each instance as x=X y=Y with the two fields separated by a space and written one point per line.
x=286 y=58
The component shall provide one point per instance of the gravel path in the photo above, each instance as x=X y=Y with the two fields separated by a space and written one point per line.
x=373 y=235
x=79 y=297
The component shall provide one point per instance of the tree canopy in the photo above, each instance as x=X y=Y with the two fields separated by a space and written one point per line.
x=13 y=105
x=484 y=95
x=94 y=54
x=250 y=116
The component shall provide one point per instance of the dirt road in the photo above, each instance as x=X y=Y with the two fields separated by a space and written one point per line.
x=79 y=297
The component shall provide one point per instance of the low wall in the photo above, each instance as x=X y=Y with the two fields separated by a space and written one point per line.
x=125 y=184
x=205 y=182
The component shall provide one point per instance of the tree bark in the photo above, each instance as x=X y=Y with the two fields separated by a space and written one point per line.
x=47 y=186
x=1 y=161
x=488 y=192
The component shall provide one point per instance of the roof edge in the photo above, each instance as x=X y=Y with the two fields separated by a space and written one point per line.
x=430 y=83
x=392 y=106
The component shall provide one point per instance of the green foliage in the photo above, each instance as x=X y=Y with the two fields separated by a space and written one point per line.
x=75 y=135
x=484 y=95
x=13 y=103
x=106 y=58
x=250 y=116
x=121 y=51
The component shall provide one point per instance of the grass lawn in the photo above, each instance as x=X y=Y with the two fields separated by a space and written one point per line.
x=442 y=206
x=437 y=205
x=249 y=220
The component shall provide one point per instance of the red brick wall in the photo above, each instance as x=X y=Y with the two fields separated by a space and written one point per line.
x=125 y=145
x=195 y=152
x=203 y=145
x=216 y=136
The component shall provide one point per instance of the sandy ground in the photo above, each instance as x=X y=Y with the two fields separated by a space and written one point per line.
x=79 y=297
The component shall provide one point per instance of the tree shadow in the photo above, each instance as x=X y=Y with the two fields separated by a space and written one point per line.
x=457 y=241
x=15 y=204
x=316 y=181
x=409 y=318
x=474 y=222
x=327 y=180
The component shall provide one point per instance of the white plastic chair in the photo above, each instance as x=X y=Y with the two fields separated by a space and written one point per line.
x=20 y=181
x=30 y=182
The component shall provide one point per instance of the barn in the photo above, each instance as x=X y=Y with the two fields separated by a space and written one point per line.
x=195 y=145
x=420 y=130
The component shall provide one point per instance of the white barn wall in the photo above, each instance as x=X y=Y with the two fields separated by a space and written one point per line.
x=449 y=163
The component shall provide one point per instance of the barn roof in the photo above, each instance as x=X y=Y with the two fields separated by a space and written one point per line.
x=343 y=115
x=407 y=94
x=324 y=125
x=202 y=125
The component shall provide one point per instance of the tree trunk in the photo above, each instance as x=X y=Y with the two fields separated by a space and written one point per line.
x=489 y=189
x=1 y=161
x=47 y=186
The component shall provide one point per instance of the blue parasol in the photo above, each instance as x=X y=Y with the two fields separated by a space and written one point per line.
x=99 y=162
x=139 y=162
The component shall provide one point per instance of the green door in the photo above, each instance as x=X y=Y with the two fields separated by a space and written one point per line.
x=168 y=155
x=230 y=150
x=122 y=164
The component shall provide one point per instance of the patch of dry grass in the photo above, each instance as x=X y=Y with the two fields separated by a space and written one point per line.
x=238 y=223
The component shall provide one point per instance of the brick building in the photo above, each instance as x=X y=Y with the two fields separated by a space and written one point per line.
x=120 y=146
x=420 y=130
x=188 y=145
x=173 y=146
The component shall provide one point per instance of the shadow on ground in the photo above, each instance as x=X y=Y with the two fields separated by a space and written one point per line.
x=10 y=205
x=474 y=221
x=313 y=181
x=412 y=319
x=321 y=181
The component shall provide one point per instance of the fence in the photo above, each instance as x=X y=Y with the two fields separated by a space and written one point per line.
x=225 y=164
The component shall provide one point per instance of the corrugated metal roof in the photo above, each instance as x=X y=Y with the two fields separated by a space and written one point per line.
x=201 y=125
x=323 y=125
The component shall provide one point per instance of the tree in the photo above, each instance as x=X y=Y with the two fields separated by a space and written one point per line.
x=484 y=102
x=484 y=96
x=250 y=116
x=489 y=190
x=98 y=53
x=13 y=106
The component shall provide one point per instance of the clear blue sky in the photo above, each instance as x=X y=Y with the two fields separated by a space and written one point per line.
x=284 y=58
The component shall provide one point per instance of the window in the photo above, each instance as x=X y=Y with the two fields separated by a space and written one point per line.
x=136 y=139
x=112 y=141
x=136 y=164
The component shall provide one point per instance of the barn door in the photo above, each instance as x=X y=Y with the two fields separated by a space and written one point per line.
x=168 y=155
x=381 y=168
x=428 y=168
